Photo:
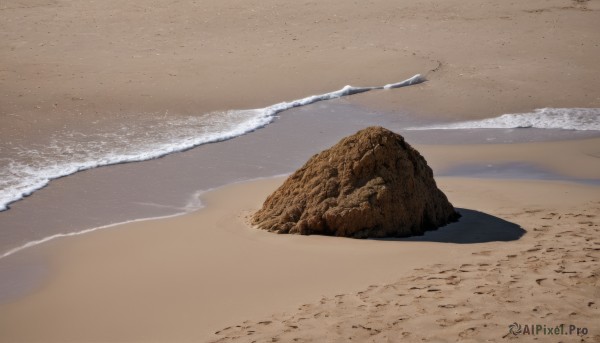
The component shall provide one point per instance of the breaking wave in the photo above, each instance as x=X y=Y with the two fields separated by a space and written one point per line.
x=581 y=119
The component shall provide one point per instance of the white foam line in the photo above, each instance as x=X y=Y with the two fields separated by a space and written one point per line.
x=579 y=119
x=347 y=90
x=193 y=205
x=77 y=233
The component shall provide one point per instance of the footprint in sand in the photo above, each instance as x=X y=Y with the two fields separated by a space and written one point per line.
x=467 y=333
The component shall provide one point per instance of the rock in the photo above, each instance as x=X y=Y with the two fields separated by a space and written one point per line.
x=370 y=184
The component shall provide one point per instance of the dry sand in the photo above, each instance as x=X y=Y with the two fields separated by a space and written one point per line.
x=548 y=278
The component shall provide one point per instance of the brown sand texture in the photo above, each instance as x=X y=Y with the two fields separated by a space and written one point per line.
x=550 y=278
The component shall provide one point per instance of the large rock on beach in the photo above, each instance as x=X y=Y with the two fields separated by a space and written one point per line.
x=370 y=184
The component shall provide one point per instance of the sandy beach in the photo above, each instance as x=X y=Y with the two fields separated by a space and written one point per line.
x=525 y=251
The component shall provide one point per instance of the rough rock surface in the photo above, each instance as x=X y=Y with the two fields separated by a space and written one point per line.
x=370 y=184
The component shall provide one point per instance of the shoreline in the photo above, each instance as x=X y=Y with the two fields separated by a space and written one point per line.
x=117 y=193
x=56 y=82
x=31 y=244
x=475 y=161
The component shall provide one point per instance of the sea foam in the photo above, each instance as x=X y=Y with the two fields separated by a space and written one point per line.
x=581 y=119
x=24 y=170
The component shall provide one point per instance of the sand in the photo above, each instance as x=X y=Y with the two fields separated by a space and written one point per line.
x=549 y=277
x=577 y=159
x=525 y=251
x=66 y=64
x=207 y=276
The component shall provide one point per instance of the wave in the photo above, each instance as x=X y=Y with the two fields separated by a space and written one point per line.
x=581 y=119
x=23 y=170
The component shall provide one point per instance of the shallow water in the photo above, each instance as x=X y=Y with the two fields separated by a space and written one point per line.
x=511 y=170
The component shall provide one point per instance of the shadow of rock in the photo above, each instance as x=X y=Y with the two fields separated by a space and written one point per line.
x=472 y=227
